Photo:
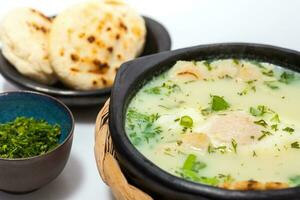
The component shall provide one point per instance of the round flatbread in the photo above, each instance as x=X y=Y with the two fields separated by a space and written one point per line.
x=24 y=36
x=89 y=42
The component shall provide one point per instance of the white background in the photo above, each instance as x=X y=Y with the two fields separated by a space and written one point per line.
x=190 y=22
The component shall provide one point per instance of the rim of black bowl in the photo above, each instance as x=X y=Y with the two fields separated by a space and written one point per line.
x=60 y=103
x=163 y=43
x=125 y=88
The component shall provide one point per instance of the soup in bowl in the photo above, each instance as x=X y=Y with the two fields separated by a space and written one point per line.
x=211 y=122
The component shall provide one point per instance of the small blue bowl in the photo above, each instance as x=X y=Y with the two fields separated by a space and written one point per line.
x=28 y=174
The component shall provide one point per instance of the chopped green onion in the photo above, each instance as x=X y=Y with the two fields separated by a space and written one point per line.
x=295 y=145
x=186 y=121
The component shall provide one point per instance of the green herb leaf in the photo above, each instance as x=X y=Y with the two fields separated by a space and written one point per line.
x=212 y=149
x=289 y=130
x=225 y=178
x=268 y=72
x=295 y=145
x=275 y=118
x=154 y=90
x=218 y=103
x=258 y=64
x=287 y=77
x=274 y=127
x=141 y=126
x=166 y=88
x=295 y=180
x=236 y=61
x=186 y=121
x=234 y=145
x=261 y=123
x=271 y=84
x=27 y=137
x=259 y=111
x=264 y=134
x=191 y=163
x=207 y=65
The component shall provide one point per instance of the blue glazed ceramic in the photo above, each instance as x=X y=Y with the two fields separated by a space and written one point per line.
x=28 y=174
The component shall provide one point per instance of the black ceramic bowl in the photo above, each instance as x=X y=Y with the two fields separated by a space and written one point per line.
x=157 y=40
x=142 y=172
x=28 y=174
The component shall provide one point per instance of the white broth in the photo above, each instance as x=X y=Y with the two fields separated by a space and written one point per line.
x=220 y=122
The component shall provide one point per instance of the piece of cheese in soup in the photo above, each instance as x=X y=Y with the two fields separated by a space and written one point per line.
x=228 y=123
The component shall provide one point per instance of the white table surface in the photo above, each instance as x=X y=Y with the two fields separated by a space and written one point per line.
x=190 y=22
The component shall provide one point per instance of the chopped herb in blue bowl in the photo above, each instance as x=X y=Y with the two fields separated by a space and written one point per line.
x=36 y=133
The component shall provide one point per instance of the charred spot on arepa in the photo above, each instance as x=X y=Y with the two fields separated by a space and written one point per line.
x=110 y=49
x=73 y=69
x=37 y=27
x=41 y=14
x=91 y=39
x=119 y=56
x=104 y=81
x=123 y=26
x=74 y=57
x=102 y=67
x=95 y=82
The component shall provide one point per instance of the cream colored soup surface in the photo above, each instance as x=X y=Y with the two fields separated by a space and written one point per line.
x=220 y=122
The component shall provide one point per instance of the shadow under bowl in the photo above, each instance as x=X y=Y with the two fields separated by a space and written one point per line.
x=28 y=174
x=157 y=40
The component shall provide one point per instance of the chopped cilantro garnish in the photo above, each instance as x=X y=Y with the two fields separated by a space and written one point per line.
x=207 y=65
x=254 y=154
x=268 y=72
x=287 y=77
x=271 y=84
x=261 y=123
x=27 y=137
x=295 y=145
x=264 y=134
x=226 y=178
x=191 y=163
x=141 y=126
x=295 y=180
x=218 y=103
x=259 y=111
x=258 y=64
x=275 y=118
x=154 y=90
x=191 y=169
x=236 y=61
x=274 y=127
x=289 y=130
x=212 y=149
x=234 y=145
x=249 y=87
x=166 y=88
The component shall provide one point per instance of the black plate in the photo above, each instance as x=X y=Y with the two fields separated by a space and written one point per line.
x=157 y=40
x=144 y=174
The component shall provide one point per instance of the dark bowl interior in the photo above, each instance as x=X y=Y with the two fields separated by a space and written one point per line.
x=157 y=40
x=27 y=174
x=145 y=174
